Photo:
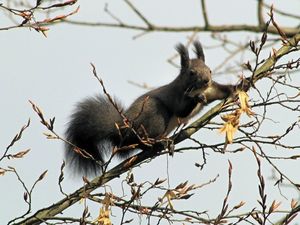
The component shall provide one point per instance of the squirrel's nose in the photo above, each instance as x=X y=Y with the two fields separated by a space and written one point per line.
x=205 y=81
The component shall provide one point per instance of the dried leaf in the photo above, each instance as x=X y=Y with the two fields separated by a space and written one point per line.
x=131 y=161
x=248 y=66
x=228 y=117
x=43 y=29
x=41 y=177
x=239 y=205
x=2 y=172
x=103 y=218
x=274 y=206
x=187 y=196
x=25 y=196
x=20 y=154
x=229 y=129
x=50 y=136
x=144 y=210
x=181 y=185
x=107 y=201
x=244 y=103
x=158 y=181
x=294 y=203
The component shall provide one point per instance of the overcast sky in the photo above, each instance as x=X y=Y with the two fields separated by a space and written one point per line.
x=55 y=73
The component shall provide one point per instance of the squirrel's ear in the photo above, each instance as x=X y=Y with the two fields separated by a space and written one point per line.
x=199 y=50
x=184 y=56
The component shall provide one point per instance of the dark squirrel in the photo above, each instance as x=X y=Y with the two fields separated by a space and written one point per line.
x=97 y=126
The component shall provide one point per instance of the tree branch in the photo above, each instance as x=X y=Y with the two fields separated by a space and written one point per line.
x=260 y=4
x=52 y=210
x=204 y=13
x=289 y=31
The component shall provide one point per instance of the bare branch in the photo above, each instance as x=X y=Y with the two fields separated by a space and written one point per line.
x=204 y=13
x=138 y=159
x=212 y=28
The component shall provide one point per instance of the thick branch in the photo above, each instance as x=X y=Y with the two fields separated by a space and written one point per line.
x=271 y=61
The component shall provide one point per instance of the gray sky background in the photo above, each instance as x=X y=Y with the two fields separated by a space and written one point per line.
x=55 y=73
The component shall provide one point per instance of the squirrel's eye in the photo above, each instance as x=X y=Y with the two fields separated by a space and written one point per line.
x=193 y=73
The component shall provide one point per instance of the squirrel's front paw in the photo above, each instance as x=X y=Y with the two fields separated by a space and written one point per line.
x=201 y=98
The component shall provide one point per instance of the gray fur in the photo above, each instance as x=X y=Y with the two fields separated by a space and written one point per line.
x=92 y=126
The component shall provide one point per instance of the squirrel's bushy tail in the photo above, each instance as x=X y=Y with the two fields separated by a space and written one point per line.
x=92 y=128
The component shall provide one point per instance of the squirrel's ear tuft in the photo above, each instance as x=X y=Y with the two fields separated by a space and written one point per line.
x=184 y=55
x=199 y=50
